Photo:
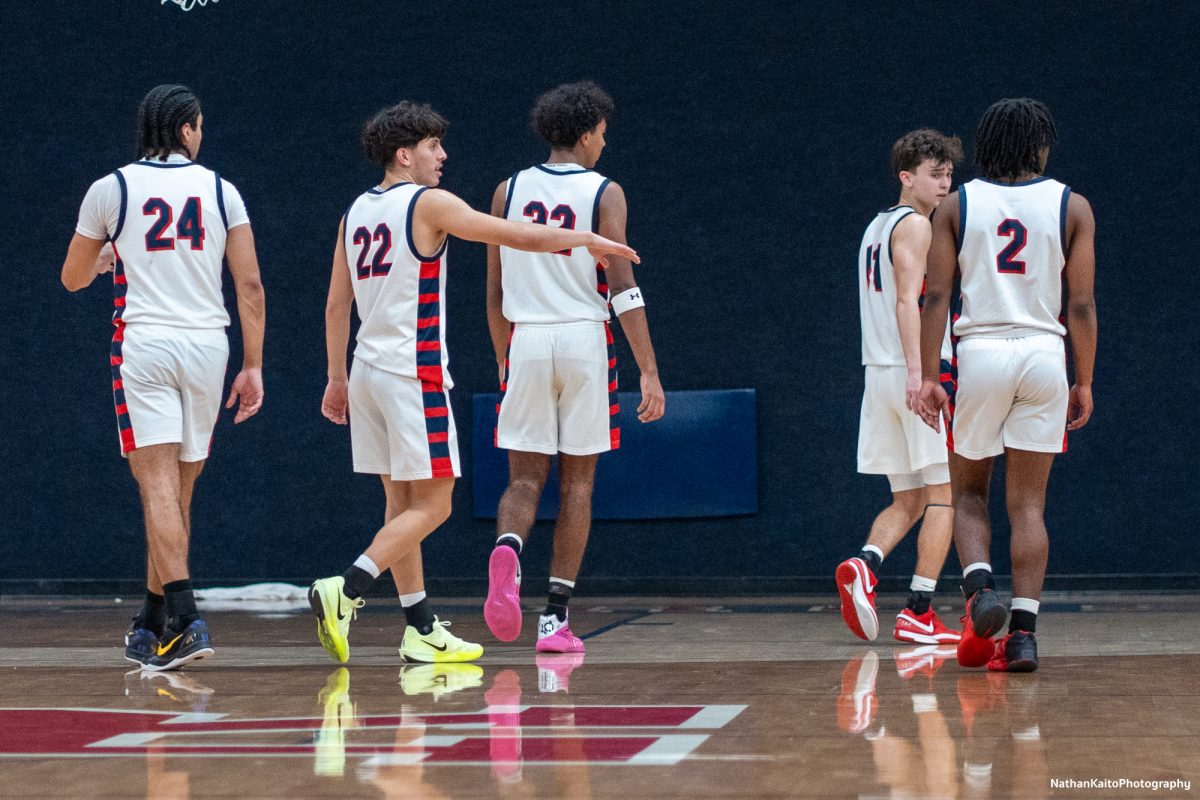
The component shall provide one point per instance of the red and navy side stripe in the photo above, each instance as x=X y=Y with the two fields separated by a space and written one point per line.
x=614 y=430
x=437 y=429
x=115 y=358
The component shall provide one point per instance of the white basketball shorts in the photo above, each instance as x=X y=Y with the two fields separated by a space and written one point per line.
x=167 y=385
x=401 y=427
x=560 y=392
x=891 y=439
x=1011 y=393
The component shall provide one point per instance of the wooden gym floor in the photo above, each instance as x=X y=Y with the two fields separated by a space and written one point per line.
x=675 y=698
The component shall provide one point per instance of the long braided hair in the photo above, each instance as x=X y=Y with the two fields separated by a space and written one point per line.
x=163 y=111
x=1011 y=136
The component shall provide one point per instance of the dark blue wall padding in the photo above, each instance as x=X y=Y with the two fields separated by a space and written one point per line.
x=699 y=460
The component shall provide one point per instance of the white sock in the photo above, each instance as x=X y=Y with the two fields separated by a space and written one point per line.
x=563 y=581
x=412 y=599
x=919 y=584
x=367 y=565
x=870 y=548
x=1025 y=604
x=977 y=565
x=507 y=536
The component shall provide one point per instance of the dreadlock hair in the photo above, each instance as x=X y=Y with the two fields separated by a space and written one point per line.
x=163 y=111
x=1011 y=136
x=405 y=124
x=565 y=113
x=915 y=147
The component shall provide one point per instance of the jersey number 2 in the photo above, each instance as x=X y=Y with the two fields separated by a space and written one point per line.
x=378 y=267
x=536 y=211
x=1006 y=259
x=190 y=226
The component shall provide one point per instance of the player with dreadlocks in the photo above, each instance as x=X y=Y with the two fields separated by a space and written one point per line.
x=1014 y=234
x=168 y=224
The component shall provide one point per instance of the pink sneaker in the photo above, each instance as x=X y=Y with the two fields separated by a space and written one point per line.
x=554 y=671
x=556 y=637
x=502 y=610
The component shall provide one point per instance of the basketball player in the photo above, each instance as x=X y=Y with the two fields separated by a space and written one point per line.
x=170 y=222
x=1014 y=234
x=558 y=381
x=390 y=261
x=891 y=440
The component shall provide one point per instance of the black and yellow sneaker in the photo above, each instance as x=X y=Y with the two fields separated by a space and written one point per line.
x=140 y=643
x=177 y=648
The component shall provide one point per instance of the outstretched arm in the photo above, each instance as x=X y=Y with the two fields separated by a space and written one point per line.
x=499 y=327
x=613 y=215
x=932 y=402
x=910 y=246
x=337 y=332
x=252 y=311
x=438 y=210
x=1080 y=270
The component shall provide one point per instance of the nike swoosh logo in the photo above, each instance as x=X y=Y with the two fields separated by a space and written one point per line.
x=162 y=651
x=434 y=646
x=927 y=627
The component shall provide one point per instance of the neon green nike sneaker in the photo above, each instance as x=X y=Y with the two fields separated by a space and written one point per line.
x=333 y=611
x=438 y=647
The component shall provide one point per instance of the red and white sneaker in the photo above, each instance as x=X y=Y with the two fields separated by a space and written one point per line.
x=924 y=628
x=856 y=705
x=985 y=618
x=856 y=585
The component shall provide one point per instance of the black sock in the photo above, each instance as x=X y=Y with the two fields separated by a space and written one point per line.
x=153 y=616
x=420 y=616
x=975 y=580
x=510 y=540
x=873 y=560
x=181 y=604
x=557 y=600
x=918 y=602
x=1022 y=621
x=358 y=582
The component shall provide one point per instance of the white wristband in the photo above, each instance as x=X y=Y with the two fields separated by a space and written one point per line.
x=627 y=300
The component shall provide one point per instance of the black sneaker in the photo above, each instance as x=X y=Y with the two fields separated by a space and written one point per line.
x=987 y=613
x=183 y=647
x=140 y=643
x=1017 y=653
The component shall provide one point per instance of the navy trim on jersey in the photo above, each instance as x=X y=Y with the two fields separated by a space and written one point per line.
x=163 y=165
x=373 y=190
x=408 y=234
x=893 y=233
x=512 y=185
x=124 y=202
x=962 y=217
x=221 y=202
x=1019 y=183
x=561 y=171
x=1062 y=220
x=596 y=206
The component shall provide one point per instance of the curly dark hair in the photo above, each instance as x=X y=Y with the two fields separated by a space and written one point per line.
x=162 y=113
x=1011 y=136
x=565 y=113
x=405 y=124
x=915 y=147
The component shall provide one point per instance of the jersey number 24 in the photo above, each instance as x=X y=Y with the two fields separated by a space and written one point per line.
x=190 y=225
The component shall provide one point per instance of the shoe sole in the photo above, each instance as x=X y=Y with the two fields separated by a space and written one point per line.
x=440 y=658
x=502 y=609
x=176 y=663
x=550 y=648
x=857 y=611
x=329 y=638
x=988 y=622
x=926 y=638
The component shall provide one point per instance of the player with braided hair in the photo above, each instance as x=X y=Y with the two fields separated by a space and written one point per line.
x=168 y=224
x=1014 y=234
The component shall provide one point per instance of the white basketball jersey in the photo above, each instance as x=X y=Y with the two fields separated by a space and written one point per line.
x=1011 y=254
x=567 y=286
x=169 y=241
x=877 y=293
x=400 y=293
